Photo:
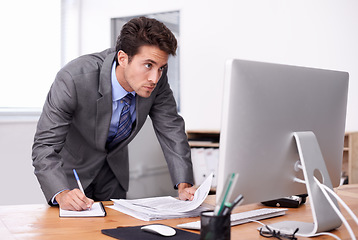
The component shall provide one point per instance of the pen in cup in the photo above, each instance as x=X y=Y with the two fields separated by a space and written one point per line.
x=226 y=194
x=230 y=206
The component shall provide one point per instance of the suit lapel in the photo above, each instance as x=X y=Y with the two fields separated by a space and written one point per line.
x=104 y=103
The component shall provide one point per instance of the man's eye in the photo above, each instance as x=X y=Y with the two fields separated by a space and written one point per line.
x=148 y=65
x=161 y=68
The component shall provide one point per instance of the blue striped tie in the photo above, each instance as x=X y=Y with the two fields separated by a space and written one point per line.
x=125 y=122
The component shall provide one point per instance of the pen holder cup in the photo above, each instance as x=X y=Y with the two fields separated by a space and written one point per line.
x=214 y=227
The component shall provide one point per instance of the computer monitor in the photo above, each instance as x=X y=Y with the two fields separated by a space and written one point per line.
x=276 y=118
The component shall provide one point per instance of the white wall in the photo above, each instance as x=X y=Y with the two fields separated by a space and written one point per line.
x=17 y=180
x=314 y=33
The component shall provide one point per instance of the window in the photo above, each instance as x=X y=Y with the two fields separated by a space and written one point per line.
x=30 y=49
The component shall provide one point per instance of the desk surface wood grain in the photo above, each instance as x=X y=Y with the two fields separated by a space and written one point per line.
x=43 y=222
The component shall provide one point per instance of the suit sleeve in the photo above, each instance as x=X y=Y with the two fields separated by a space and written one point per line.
x=51 y=133
x=169 y=127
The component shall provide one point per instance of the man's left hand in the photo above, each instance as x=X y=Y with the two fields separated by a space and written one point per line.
x=186 y=191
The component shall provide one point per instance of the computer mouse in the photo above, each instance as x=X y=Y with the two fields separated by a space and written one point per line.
x=159 y=229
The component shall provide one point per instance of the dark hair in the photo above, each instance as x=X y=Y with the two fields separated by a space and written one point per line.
x=145 y=31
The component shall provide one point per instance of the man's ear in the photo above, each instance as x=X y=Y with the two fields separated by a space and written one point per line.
x=122 y=58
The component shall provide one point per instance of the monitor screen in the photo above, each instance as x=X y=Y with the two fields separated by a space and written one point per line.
x=264 y=104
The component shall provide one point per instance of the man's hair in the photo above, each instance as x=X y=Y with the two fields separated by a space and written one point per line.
x=144 y=31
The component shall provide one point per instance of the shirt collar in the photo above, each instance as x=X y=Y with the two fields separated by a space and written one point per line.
x=118 y=91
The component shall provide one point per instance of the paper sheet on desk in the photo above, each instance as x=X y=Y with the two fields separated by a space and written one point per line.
x=165 y=207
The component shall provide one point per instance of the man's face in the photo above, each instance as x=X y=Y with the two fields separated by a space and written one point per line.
x=143 y=72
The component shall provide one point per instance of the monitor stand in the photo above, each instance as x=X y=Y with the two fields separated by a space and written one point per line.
x=313 y=165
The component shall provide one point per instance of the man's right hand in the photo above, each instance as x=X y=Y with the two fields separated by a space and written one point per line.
x=73 y=200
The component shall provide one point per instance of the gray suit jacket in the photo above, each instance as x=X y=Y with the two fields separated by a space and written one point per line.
x=73 y=127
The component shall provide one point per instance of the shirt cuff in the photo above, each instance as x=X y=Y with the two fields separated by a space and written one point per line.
x=53 y=200
x=176 y=186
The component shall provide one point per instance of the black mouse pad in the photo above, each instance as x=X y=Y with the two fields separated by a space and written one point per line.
x=135 y=233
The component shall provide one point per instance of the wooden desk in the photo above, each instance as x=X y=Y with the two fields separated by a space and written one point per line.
x=43 y=222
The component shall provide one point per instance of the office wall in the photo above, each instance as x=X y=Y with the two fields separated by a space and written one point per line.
x=314 y=33
x=17 y=180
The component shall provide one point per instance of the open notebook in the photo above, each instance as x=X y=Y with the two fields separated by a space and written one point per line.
x=97 y=210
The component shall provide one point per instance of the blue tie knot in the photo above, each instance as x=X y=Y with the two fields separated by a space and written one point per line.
x=127 y=99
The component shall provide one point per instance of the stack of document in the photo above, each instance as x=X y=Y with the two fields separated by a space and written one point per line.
x=159 y=208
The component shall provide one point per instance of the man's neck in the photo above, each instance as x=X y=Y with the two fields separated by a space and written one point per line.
x=121 y=79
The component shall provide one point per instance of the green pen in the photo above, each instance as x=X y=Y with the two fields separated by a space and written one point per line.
x=231 y=180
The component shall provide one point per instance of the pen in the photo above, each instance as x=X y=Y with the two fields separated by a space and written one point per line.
x=78 y=181
x=226 y=194
x=230 y=206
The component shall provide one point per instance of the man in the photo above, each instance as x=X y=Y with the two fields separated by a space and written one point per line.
x=96 y=106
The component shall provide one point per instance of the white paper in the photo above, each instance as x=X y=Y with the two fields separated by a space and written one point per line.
x=164 y=207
